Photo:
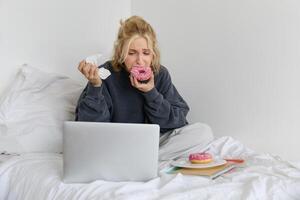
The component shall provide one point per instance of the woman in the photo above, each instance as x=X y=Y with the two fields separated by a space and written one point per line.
x=121 y=97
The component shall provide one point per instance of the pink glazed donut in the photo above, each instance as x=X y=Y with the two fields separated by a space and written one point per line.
x=142 y=74
x=200 y=158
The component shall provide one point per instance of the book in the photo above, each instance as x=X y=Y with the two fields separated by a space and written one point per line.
x=212 y=172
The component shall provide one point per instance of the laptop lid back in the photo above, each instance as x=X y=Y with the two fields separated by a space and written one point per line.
x=110 y=151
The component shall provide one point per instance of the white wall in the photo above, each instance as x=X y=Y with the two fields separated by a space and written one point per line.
x=55 y=35
x=237 y=64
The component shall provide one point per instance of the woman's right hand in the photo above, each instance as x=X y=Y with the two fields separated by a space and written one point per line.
x=90 y=71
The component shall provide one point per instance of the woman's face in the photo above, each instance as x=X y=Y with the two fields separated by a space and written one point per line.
x=138 y=54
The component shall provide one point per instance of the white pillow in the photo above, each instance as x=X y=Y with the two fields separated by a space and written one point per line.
x=33 y=111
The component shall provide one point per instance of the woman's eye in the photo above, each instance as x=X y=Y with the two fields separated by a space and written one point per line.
x=130 y=53
x=147 y=53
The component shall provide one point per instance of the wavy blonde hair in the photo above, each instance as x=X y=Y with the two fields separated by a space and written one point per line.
x=129 y=30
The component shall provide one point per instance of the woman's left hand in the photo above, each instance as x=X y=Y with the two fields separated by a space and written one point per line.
x=144 y=87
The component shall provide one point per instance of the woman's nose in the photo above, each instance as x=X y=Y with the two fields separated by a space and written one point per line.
x=139 y=59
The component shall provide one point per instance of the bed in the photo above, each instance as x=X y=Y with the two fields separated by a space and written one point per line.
x=31 y=116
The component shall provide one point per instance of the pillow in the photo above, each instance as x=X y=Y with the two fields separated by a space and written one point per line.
x=33 y=111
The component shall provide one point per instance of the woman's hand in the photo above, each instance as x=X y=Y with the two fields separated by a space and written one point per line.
x=90 y=71
x=144 y=87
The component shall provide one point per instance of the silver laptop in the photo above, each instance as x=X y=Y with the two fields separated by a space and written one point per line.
x=109 y=151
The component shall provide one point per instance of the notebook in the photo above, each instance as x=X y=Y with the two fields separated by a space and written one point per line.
x=211 y=172
x=109 y=151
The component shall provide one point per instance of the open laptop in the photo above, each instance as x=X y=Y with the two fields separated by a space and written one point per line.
x=109 y=151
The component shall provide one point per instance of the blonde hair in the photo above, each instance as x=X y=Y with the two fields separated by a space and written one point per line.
x=129 y=30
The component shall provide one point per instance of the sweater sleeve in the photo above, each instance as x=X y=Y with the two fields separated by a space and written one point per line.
x=94 y=104
x=164 y=105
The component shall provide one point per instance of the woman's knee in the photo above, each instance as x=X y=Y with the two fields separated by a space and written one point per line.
x=199 y=129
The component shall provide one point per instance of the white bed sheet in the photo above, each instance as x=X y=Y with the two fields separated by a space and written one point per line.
x=38 y=176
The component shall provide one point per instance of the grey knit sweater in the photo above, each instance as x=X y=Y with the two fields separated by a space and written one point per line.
x=117 y=101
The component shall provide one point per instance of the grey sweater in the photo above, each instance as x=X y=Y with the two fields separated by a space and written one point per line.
x=118 y=101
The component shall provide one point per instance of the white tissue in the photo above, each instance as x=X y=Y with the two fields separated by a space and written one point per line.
x=96 y=60
x=103 y=73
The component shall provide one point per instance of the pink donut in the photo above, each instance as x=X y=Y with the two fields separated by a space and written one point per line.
x=141 y=73
x=200 y=158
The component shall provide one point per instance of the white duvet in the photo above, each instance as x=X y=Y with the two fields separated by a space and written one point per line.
x=38 y=176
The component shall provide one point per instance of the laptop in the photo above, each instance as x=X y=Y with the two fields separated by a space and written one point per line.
x=109 y=151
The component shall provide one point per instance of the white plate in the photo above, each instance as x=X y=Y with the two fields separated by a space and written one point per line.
x=184 y=162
